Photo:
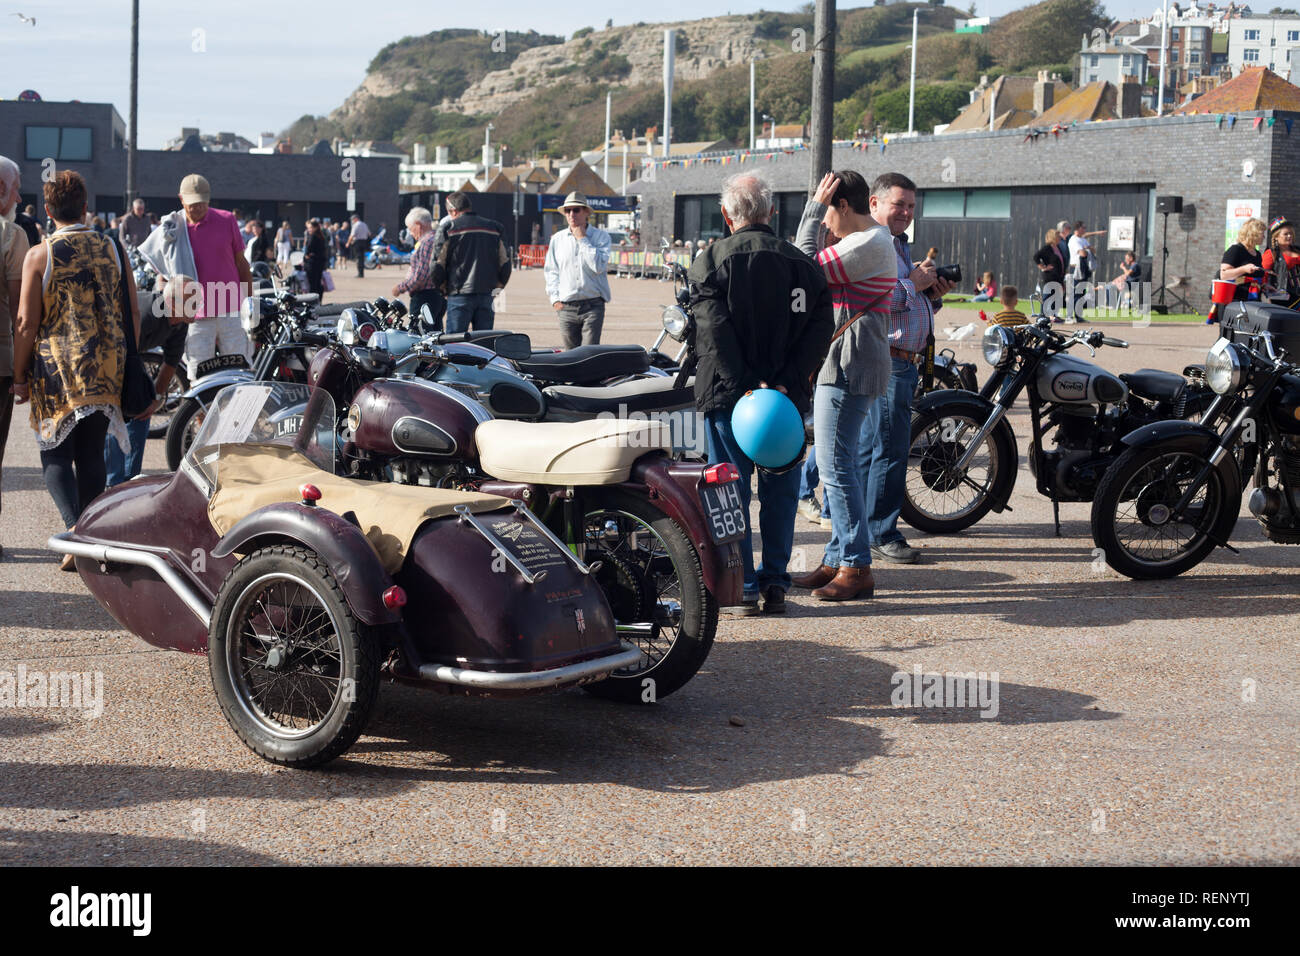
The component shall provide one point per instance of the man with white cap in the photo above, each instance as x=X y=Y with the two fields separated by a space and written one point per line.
x=223 y=274
x=576 y=274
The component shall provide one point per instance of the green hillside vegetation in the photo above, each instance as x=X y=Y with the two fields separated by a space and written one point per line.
x=871 y=83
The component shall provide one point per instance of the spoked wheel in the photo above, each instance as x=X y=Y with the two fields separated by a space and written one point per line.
x=1133 y=519
x=939 y=497
x=652 y=578
x=182 y=430
x=178 y=386
x=295 y=674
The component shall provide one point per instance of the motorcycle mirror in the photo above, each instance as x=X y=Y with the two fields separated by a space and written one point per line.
x=516 y=346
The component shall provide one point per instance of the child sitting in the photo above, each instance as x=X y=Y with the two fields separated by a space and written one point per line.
x=986 y=288
x=1010 y=315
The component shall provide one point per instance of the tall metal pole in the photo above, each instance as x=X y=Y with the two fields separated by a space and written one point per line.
x=608 y=101
x=670 y=58
x=911 y=96
x=625 y=167
x=1164 y=33
x=751 y=104
x=823 y=91
x=135 y=96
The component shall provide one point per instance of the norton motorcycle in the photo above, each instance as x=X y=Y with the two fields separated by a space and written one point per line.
x=1173 y=496
x=962 y=462
x=664 y=531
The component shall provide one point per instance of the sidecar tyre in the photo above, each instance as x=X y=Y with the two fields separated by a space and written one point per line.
x=294 y=672
x=181 y=431
x=666 y=665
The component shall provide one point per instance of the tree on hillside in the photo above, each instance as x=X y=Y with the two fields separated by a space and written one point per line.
x=1047 y=32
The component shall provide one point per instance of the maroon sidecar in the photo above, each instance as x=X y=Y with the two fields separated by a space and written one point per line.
x=304 y=587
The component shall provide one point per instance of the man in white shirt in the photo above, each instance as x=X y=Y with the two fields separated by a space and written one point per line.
x=1081 y=267
x=576 y=267
x=359 y=243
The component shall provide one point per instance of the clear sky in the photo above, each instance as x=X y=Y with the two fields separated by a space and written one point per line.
x=248 y=67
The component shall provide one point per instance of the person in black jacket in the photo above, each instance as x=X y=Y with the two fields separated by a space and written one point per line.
x=763 y=319
x=1051 y=273
x=315 y=257
x=472 y=261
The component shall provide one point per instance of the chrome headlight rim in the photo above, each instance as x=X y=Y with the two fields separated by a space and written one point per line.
x=997 y=344
x=675 y=321
x=347 y=327
x=1226 y=367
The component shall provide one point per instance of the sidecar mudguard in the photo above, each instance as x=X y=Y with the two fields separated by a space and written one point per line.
x=341 y=545
x=673 y=486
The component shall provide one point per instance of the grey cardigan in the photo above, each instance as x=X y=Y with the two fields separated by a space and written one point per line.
x=858 y=361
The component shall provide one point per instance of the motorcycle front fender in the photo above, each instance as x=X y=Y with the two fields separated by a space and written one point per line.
x=673 y=487
x=340 y=544
x=206 y=388
x=1198 y=440
x=1159 y=431
x=935 y=406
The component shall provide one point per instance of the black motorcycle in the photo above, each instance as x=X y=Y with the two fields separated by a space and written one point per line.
x=963 y=458
x=1174 y=494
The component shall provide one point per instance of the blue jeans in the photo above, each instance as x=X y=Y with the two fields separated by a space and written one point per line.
x=778 y=499
x=888 y=426
x=470 y=311
x=809 y=479
x=121 y=467
x=845 y=457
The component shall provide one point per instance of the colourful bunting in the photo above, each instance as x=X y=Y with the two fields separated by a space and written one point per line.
x=1288 y=126
x=1258 y=120
x=1218 y=120
x=1232 y=121
x=1271 y=121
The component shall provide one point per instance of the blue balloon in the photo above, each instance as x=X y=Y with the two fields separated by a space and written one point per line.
x=768 y=428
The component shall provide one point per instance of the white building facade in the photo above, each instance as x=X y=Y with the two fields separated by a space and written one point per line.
x=1263 y=41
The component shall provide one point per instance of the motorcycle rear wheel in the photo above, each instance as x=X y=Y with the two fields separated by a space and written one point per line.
x=178 y=386
x=182 y=430
x=1131 y=519
x=655 y=584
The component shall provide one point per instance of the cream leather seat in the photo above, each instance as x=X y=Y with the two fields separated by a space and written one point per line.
x=599 y=452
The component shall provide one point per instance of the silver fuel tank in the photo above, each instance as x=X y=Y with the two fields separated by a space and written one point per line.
x=1068 y=380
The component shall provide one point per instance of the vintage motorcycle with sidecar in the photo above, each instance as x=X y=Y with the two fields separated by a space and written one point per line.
x=306 y=589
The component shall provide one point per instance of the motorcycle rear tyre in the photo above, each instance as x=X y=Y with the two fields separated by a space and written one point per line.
x=176 y=429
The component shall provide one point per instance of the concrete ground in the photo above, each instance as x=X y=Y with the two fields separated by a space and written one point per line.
x=1149 y=723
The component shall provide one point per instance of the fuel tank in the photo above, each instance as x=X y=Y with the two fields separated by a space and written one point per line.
x=492 y=380
x=331 y=372
x=415 y=418
x=1067 y=380
x=468 y=607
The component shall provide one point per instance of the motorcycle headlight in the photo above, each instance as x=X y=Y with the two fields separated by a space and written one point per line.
x=998 y=340
x=347 y=328
x=675 y=321
x=250 y=313
x=1225 y=367
x=354 y=417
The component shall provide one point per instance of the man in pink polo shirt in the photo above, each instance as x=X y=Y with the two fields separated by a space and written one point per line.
x=223 y=273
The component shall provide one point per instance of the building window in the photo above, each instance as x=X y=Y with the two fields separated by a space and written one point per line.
x=1193 y=56
x=1250 y=55
x=1251 y=35
x=966 y=204
x=1173 y=34
x=1095 y=60
x=69 y=143
x=1127 y=63
x=1293 y=36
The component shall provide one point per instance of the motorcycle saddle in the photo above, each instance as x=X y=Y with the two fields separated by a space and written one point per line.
x=587 y=364
x=599 y=452
x=643 y=395
x=1154 y=384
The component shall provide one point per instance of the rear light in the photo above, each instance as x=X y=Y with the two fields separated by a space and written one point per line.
x=310 y=495
x=721 y=474
x=394 y=598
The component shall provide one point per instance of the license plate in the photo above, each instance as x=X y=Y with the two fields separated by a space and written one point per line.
x=724 y=511
x=219 y=362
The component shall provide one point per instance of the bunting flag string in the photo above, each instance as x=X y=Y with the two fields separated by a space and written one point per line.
x=1258 y=120
x=1232 y=120
x=1288 y=126
x=1218 y=120
x=1271 y=121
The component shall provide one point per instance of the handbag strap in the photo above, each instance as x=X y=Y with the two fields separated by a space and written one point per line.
x=812 y=379
x=124 y=294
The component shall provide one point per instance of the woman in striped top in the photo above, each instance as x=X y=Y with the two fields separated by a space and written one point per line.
x=857 y=256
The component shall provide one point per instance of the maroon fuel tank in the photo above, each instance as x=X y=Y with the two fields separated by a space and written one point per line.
x=330 y=371
x=468 y=607
x=416 y=418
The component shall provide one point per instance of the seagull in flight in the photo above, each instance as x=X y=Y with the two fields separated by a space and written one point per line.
x=26 y=19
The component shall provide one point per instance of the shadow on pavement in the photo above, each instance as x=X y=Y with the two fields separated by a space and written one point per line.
x=98 y=848
x=53 y=610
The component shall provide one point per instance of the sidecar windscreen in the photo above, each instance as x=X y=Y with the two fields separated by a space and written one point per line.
x=255 y=414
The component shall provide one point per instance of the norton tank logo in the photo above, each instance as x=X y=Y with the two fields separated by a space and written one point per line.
x=577 y=616
x=1069 y=385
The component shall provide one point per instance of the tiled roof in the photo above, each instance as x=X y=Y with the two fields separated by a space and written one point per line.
x=1256 y=88
x=1096 y=101
x=1014 y=105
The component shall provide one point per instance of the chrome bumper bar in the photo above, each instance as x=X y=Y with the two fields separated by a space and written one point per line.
x=531 y=680
x=106 y=553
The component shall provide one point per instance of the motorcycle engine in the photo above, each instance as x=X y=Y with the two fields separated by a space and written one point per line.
x=1278 y=517
x=1076 y=462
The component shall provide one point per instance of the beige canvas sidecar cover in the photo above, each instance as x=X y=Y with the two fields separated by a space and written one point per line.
x=250 y=477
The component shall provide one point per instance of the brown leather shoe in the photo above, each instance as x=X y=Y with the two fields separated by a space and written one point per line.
x=814 y=579
x=849 y=584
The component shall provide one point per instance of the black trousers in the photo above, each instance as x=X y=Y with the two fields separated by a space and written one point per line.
x=74 y=471
x=359 y=250
x=436 y=303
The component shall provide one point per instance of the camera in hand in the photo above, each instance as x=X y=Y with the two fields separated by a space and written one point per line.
x=951 y=273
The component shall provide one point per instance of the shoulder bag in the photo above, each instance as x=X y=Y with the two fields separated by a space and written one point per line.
x=137 y=387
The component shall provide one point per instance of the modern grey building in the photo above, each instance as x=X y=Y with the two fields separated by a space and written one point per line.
x=986 y=199
x=91 y=139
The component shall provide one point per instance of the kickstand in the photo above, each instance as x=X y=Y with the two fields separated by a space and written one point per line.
x=1056 y=515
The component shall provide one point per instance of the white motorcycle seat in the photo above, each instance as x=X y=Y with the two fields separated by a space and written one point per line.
x=599 y=452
